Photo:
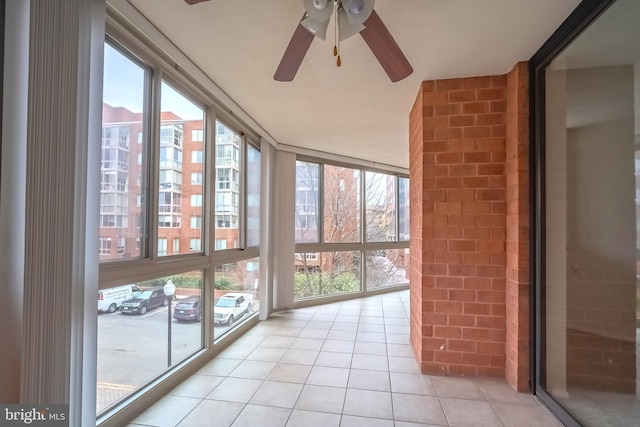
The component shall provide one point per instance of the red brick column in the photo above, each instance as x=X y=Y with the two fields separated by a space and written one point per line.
x=517 y=370
x=469 y=234
x=460 y=267
x=417 y=237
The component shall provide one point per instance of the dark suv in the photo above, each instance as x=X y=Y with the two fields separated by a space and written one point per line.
x=144 y=300
x=188 y=309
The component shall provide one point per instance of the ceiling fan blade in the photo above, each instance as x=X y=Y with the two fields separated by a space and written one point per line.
x=385 y=48
x=194 y=1
x=293 y=56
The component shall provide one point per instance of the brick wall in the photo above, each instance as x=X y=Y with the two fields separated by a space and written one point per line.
x=416 y=231
x=517 y=369
x=458 y=165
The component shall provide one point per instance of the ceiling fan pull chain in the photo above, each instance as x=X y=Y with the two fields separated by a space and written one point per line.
x=336 y=46
x=335 y=30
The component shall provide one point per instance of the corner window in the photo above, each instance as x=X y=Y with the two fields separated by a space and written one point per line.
x=349 y=195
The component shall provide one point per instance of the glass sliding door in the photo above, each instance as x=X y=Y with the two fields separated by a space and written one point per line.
x=589 y=223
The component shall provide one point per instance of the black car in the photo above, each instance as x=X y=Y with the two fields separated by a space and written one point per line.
x=144 y=300
x=188 y=309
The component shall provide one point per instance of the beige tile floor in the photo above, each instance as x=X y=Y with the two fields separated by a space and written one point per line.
x=345 y=364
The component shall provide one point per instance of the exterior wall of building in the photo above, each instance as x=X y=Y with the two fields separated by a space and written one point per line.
x=460 y=132
x=182 y=230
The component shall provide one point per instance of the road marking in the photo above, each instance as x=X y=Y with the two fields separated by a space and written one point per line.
x=152 y=312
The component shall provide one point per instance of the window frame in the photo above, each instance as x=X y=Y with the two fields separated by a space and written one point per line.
x=160 y=67
x=149 y=264
x=362 y=246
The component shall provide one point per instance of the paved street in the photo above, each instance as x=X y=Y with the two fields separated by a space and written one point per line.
x=132 y=349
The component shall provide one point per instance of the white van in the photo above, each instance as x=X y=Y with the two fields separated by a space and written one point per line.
x=111 y=299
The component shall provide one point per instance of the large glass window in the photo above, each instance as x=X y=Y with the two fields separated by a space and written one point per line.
x=179 y=197
x=341 y=204
x=327 y=273
x=137 y=349
x=132 y=334
x=324 y=266
x=403 y=209
x=380 y=207
x=227 y=204
x=591 y=217
x=237 y=294
x=307 y=201
x=123 y=115
x=253 y=196
x=387 y=267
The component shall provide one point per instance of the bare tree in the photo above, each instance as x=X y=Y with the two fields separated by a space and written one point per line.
x=342 y=223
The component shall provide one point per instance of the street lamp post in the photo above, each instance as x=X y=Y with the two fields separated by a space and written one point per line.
x=169 y=291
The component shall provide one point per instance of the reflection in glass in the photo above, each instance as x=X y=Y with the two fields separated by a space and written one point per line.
x=180 y=158
x=326 y=273
x=122 y=225
x=132 y=348
x=592 y=220
x=236 y=294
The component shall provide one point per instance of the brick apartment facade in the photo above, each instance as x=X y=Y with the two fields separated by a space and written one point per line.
x=181 y=223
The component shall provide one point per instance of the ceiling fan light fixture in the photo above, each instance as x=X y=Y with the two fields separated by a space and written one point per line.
x=318 y=29
x=318 y=10
x=358 y=11
x=347 y=28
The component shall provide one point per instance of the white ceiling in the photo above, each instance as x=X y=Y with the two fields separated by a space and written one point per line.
x=354 y=110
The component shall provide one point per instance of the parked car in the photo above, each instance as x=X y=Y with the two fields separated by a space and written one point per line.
x=144 y=300
x=230 y=307
x=111 y=299
x=188 y=309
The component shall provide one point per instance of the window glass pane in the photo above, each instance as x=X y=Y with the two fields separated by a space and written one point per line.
x=227 y=204
x=162 y=246
x=123 y=110
x=253 y=196
x=236 y=292
x=326 y=273
x=197 y=135
x=341 y=204
x=181 y=159
x=380 y=205
x=387 y=267
x=403 y=208
x=592 y=221
x=307 y=202
x=195 y=245
x=133 y=348
x=196 y=178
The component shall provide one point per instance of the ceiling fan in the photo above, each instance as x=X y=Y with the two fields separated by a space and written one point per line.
x=350 y=17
